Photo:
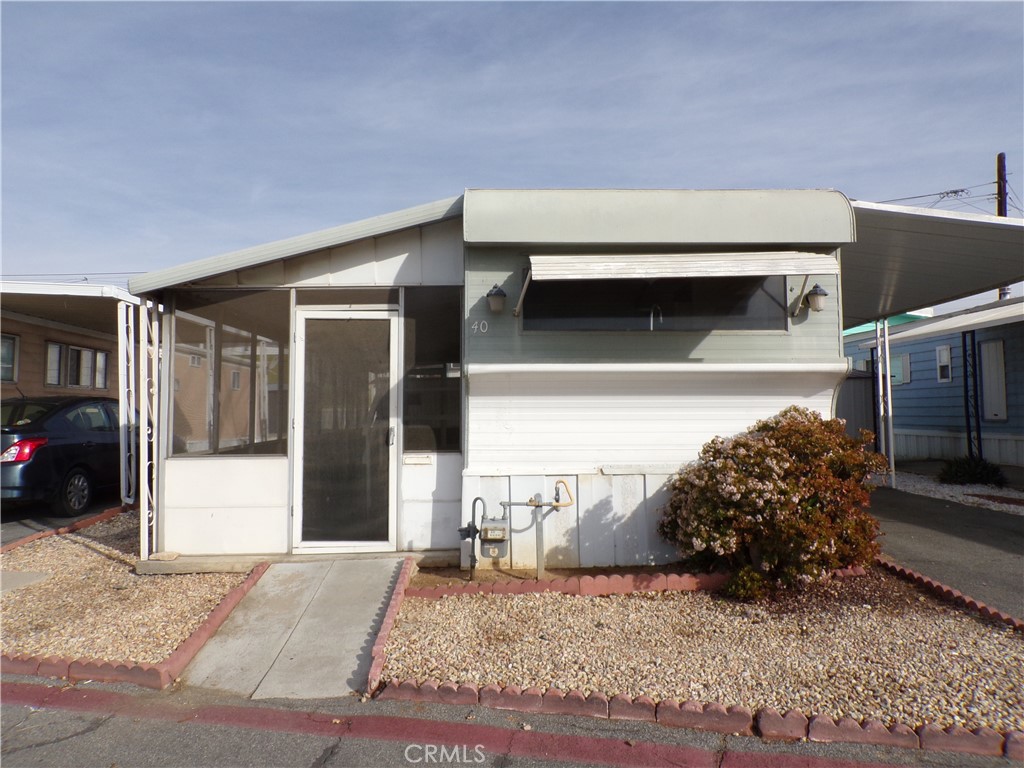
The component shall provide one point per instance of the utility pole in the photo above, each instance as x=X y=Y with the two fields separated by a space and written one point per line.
x=1004 y=292
x=1001 y=184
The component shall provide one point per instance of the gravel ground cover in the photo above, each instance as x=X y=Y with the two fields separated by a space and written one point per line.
x=987 y=496
x=870 y=647
x=93 y=605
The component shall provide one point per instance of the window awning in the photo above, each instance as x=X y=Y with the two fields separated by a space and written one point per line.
x=574 y=266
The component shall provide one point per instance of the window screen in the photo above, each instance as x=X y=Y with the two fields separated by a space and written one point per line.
x=230 y=371
x=669 y=304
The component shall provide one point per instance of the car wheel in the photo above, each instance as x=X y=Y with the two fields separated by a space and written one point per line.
x=75 y=493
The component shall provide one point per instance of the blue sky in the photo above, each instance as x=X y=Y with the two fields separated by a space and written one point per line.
x=140 y=135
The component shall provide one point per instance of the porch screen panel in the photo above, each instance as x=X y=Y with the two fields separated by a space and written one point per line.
x=346 y=459
x=229 y=367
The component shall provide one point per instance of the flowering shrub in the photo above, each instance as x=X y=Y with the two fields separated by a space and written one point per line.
x=784 y=500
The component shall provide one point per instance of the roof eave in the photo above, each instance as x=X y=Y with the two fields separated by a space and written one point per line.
x=295 y=246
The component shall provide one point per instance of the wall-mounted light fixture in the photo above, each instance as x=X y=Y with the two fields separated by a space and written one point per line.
x=496 y=299
x=815 y=298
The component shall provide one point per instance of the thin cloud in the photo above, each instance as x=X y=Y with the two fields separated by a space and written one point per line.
x=153 y=133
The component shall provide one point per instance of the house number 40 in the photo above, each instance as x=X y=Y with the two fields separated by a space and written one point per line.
x=479 y=326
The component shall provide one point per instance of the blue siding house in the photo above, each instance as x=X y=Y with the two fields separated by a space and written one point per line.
x=933 y=412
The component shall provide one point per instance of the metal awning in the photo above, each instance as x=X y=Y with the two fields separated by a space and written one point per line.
x=908 y=258
x=667 y=265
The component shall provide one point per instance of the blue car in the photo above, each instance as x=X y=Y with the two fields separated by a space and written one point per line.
x=58 y=450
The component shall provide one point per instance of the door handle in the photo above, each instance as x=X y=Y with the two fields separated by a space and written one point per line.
x=391 y=435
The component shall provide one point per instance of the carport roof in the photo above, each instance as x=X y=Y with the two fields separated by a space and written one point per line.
x=81 y=306
x=903 y=258
x=908 y=258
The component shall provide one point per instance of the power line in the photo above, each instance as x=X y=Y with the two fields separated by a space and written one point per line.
x=944 y=194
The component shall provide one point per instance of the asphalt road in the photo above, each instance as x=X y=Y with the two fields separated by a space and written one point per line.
x=977 y=551
x=103 y=726
x=19 y=522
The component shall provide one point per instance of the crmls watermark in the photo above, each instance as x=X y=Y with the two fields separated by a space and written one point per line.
x=439 y=753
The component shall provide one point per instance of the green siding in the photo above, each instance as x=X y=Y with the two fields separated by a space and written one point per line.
x=491 y=338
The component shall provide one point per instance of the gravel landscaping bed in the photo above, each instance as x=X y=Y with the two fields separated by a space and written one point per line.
x=872 y=647
x=93 y=605
x=988 y=496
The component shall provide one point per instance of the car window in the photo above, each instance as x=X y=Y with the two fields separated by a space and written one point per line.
x=23 y=412
x=113 y=411
x=91 y=417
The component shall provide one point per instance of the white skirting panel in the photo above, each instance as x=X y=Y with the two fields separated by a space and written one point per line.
x=614 y=520
x=430 y=506
x=924 y=444
x=221 y=505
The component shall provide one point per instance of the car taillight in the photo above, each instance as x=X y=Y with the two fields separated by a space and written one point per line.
x=23 y=450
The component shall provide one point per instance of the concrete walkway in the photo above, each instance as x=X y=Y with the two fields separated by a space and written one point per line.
x=304 y=631
x=977 y=551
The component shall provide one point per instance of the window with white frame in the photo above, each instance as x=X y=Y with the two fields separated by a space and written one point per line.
x=54 y=364
x=100 y=379
x=81 y=364
x=74 y=366
x=9 y=358
x=943 y=364
x=899 y=369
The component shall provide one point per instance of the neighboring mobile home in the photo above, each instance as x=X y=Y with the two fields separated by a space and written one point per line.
x=60 y=339
x=357 y=389
x=934 y=401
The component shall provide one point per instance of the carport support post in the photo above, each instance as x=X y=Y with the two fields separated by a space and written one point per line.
x=890 y=438
x=127 y=402
x=149 y=368
x=883 y=391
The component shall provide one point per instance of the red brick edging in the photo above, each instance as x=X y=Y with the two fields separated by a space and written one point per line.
x=950 y=595
x=377 y=653
x=159 y=675
x=766 y=723
x=587 y=586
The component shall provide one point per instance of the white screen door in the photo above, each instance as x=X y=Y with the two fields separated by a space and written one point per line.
x=346 y=410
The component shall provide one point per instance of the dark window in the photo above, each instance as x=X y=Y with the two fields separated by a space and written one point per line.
x=9 y=358
x=432 y=413
x=18 y=413
x=334 y=297
x=670 y=304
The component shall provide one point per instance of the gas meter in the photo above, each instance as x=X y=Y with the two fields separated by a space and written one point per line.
x=494 y=534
